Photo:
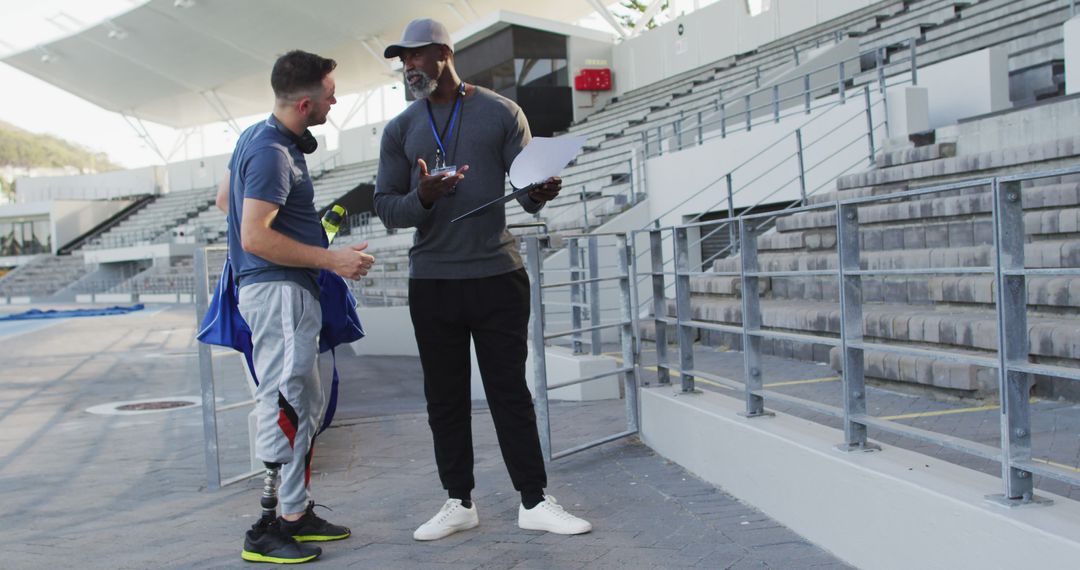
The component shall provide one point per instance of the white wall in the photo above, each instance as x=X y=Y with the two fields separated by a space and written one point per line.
x=966 y=86
x=894 y=509
x=103 y=186
x=70 y=220
x=675 y=176
x=360 y=144
x=1051 y=121
x=715 y=32
x=585 y=53
x=197 y=173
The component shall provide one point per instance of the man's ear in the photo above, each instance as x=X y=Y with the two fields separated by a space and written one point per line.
x=303 y=105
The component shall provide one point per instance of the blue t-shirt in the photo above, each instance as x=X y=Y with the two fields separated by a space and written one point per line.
x=267 y=165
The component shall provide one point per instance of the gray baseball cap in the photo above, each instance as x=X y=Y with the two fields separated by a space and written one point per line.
x=419 y=33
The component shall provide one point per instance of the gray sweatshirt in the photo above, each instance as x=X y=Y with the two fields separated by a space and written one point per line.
x=493 y=130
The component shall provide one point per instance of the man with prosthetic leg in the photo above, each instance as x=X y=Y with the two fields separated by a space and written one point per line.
x=277 y=248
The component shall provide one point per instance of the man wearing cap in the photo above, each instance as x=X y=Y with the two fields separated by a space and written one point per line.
x=443 y=156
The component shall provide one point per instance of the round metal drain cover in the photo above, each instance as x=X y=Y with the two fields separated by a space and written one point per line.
x=153 y=406
x=146 y=406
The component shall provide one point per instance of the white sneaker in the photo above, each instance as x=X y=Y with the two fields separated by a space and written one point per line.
x=451 y=518
x=550 y=516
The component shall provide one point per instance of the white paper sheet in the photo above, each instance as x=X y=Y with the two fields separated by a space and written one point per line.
x=543 y=158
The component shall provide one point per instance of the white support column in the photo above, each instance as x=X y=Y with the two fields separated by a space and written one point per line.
x=1072 y=55
x=140 y=130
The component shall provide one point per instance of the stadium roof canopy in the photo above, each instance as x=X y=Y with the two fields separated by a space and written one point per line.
x=185 y=63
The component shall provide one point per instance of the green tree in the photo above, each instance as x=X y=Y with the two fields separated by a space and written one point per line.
x=636 y=9
x=7 y=189
x=28 y=150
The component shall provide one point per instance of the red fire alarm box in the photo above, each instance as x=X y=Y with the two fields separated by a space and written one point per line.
x=593 y=80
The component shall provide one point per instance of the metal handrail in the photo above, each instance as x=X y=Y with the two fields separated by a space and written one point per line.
x=806 y=93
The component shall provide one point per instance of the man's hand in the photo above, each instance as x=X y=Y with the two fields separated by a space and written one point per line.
x=547 y=191
x=351 y=262
x=435 y=187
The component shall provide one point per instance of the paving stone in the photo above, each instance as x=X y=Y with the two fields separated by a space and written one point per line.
x=80 y=480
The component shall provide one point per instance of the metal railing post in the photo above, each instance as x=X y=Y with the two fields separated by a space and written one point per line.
x=629 y=331
x=1011 y=296
x=645 y=141
x=723 y=120
x=879 y=62
x=577 y=300
x=869 y=124
x=748 y=117
x=842 y=84
x=795 y=50
x=535 y=269
x=851 y=328
x=682 y=308
x=751 y=318
x=802 y=168
x=594 y=296
x=732 y=237
x=776 y=103
x=700 y=129
x=806 y=92
x=656 y=251
x=584 y=208
x=206 y=377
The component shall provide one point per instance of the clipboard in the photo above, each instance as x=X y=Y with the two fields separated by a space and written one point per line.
x=539 y=160
x=500 y=200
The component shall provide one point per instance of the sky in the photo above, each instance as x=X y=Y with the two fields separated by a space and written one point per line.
x=38 y=107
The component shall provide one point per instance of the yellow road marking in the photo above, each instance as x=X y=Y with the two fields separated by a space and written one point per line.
x=1056 y=464
x=946 y=412
x=810 y=381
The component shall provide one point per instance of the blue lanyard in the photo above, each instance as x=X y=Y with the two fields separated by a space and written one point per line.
x=453 y=119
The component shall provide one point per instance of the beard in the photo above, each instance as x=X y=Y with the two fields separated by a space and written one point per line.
x=424 y=86
x=315 y=117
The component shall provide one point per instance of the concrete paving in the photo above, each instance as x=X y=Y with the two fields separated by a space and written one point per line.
x=129 y=491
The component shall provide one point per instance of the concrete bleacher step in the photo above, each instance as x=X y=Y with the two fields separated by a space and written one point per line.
x=1018 y=20
x=1037 y=255
x=1043 y=293
x=964 y=165
x=1063 y=198
x=935 y=151
x=43 y=276
x=1052 y=339
x=932 y=231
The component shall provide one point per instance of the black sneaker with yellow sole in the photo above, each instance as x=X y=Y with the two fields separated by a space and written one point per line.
x=312 y=528
x=268 y=542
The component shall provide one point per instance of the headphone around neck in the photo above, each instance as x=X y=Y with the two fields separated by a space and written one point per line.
x=307 y=143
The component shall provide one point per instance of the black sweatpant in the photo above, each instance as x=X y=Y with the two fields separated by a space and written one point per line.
x=494 y=311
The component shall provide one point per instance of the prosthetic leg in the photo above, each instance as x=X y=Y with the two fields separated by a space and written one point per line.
x=269 y=495
x=266 y=542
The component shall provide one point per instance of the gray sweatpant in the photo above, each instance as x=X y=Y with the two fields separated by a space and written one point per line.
x=285 y=320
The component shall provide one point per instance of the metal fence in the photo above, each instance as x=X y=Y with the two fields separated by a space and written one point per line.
x=210 y=408
x=625 y=324
x=1011 y=360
